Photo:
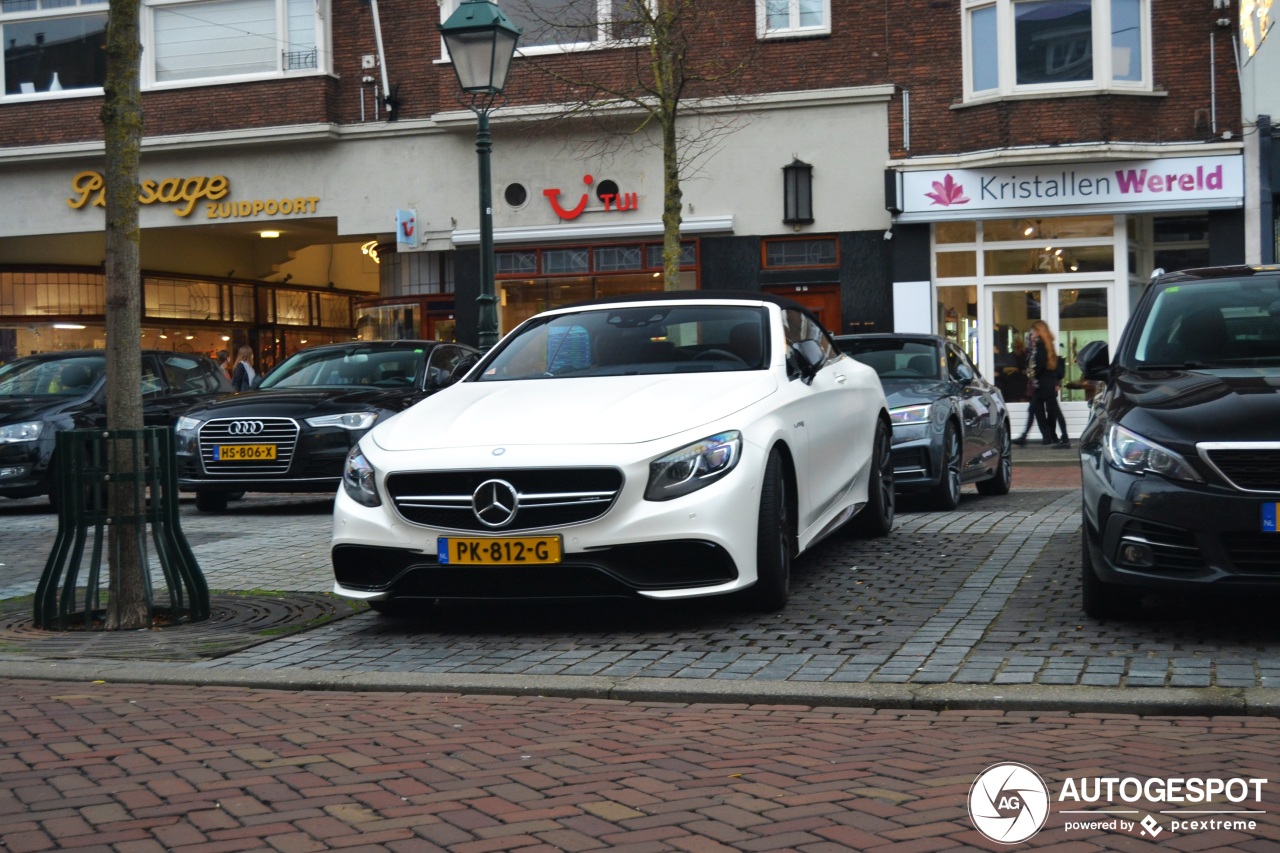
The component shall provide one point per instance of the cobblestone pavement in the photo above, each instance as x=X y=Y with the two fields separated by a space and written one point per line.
x=107 y=767
x=986 y=595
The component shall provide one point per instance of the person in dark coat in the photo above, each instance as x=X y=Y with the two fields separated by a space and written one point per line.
x=243 y=376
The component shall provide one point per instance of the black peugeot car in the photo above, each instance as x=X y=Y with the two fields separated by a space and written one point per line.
x=293 y=433
x=45 y=393
x=1181 y=455
x=950 y=425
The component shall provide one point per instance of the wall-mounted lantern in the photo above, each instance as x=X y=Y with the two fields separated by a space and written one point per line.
x=797 y=193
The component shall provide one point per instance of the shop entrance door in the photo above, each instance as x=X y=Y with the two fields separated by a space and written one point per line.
x=822 y=299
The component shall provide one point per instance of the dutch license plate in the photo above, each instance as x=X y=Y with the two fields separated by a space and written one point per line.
x=243 y=452
x=1269 y=517
x=517 y=551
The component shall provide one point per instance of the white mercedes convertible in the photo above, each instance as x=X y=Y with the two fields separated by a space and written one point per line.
x=666 y=446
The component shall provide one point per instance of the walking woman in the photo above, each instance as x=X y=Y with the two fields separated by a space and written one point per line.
x=243 y=376
x=1049 y=371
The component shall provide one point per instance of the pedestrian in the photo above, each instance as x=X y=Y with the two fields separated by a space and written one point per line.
x=243 y=376
x=1027 y=365
x=224 y=361
x=1049 y=370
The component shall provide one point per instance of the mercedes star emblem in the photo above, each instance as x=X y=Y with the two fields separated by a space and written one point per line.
x=495 y=503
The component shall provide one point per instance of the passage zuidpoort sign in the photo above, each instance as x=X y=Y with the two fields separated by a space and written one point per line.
x=1010 y=803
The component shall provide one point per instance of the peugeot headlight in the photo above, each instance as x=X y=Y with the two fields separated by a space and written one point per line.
x=910 y=415
x=693 y=466
x=1130 y=452
x=186 y=424
x=350 y=420
x=357 y=479
x=14 y=433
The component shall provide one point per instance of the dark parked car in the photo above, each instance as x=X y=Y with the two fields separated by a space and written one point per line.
x=42 y=394
x=950 y=425
x=1181 y=456
x=293 y=433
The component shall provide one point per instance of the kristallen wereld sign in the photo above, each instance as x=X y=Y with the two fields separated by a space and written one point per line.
x=1138 y=185
x=204 y=195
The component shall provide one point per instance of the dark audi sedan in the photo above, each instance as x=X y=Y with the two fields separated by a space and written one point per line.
x=43 y=394
x=293 y=433
x=1181 y=456
x=950 y=425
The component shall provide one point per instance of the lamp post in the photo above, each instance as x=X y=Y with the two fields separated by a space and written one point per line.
x=481 y=43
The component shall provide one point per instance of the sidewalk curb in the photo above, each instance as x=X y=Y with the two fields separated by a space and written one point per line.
x=1144 y=701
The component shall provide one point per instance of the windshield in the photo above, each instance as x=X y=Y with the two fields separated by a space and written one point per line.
x=46 y=377
x=634 y=341
x=1216 y=323
x=353 y=365
x=896 y=359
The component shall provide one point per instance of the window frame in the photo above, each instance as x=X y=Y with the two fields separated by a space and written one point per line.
x=602 y=41
x=794 y=30
x=83 y=9
x=1006 y=67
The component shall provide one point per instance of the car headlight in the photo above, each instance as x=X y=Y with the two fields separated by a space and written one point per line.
x=350 y=420
x=910 y=415
x=1130 y=452
x=14 y=433
x=186 y=424
x=693 y=466
x=357 y=479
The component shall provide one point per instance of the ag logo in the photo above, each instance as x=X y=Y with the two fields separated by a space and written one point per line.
x=1008 y=802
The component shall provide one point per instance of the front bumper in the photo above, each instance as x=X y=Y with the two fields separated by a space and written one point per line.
x=25 y=469
x=701 y=544
x=917 y=457
x=315 y=465
x=1144 y=530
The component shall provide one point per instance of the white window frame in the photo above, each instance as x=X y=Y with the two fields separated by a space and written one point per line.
x=149 y=52
x=84 y=7
x=794 y=30
x=604 y=15
x=1102 y=57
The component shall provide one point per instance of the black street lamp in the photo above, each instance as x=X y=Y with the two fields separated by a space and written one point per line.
x=481 y=42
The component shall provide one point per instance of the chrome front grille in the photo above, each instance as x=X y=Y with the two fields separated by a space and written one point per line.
x=1252 y=466
x=282 y=432
x=545 y=497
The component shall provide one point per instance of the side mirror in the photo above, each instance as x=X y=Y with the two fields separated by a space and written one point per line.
x=1094 y=360
x=963 y=373
x=461 y=369
x=808 y=357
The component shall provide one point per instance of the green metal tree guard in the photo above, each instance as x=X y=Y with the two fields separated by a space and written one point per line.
x=84 y=474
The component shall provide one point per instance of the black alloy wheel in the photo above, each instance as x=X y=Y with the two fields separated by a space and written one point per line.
x=946 y=494
x=773 y=541
x=1002 y=480
x=876 y=518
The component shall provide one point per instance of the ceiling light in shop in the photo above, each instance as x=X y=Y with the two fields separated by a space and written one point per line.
x=67 y=326
x=269 y=235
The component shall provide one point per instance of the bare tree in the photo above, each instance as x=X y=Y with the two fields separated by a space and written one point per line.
x=128 y=605
x=672 y=69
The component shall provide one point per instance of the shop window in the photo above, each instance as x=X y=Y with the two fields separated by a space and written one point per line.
x=52 y=46
x=780 y=18
x=1180 y=242
x=801 y=252
x=955 y=232
x=957 y=264
x=560 y=261
x=614 y=258
x=1049 y=260
x=334 y=310
x=552 y=26
x=516 y=263
x=688 y=255
x=1016 y=46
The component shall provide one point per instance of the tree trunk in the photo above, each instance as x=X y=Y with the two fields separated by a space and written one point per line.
x=672 y=204
x=128 y=605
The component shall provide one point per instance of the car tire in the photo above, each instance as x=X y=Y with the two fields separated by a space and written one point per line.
x=773 y=541
x=876 y=518
x=946 y=494
x=211 y=501
x=1099 y=599
x=1002 y=480
x=402 y=608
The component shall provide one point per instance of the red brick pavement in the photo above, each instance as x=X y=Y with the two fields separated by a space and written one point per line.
x=103 y=767
x=1046 y=476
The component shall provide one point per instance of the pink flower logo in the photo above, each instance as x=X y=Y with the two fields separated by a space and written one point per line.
x=947 y=192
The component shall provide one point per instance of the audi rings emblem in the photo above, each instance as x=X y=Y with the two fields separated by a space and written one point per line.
x=245 y=427
x=495 y=503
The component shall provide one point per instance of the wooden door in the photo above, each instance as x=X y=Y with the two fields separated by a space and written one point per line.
x=822 y=299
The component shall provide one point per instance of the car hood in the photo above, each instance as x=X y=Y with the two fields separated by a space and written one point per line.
x=306 y=402
x=1181 y=407
x=912 y=392
x=587 y=410
x=14 y=410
